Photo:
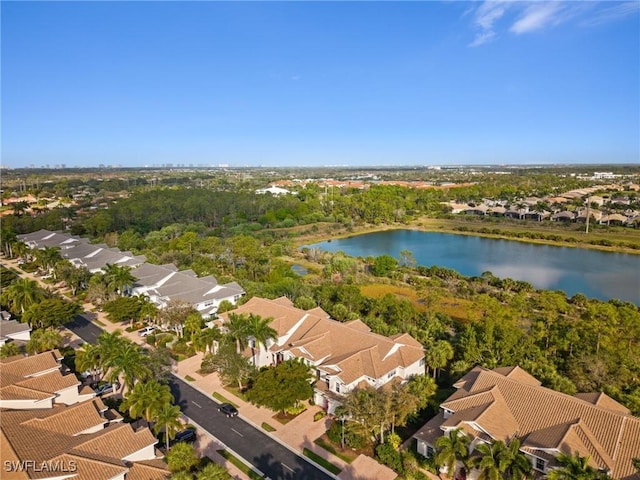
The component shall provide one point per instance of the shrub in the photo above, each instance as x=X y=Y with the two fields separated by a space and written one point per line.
x=151 y=339
x=319 y=415
x=207 y=365
x=389 y=456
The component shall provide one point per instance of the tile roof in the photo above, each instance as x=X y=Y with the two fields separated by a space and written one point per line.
x=11 y=327
x=509 y=401
x=348 y=350
x=148 y=470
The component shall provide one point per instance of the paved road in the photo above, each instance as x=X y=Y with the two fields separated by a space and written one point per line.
x=267 y=455
x=81 y=325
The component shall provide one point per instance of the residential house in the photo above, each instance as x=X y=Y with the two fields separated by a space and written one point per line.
x=344 y=356
x=507 y=403
x=163 y=283
x=275 y=191
x=12 y=330
x=52 y=429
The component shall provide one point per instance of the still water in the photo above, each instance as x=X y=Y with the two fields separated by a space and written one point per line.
x=595 y=274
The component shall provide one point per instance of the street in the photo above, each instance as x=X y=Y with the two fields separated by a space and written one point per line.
x=264 y=453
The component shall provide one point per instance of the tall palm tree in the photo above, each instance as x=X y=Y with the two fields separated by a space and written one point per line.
x=451 y=449
x=21 y=294
x=204 y=339
x=574 y=467
x=167 y=418
x=127 y=362
x=513 y=462
x=146 y=399
x=47 y=257
x=88 y=360
x=118 y=277
x=489 y=463
x=237 y=330
x=260 y=329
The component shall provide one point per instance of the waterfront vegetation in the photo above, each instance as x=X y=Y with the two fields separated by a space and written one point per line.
x=216 y=225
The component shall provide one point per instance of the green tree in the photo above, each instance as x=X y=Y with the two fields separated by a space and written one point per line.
x=213 y=471
x=237 y=330
x=119 y=278
x=205 y=339
x=451 y=449
x=193 y=324
x=513 y=462
x=123 y=309
x=47 y=257
x=174 y=315
x=574 y=467
x=370 y=410
x=51 y=313
x=88 y=360
x=260 y=329
x=9 y=349
x=43 y=340
x=21 y=294
x=437 y=355
x=146 y=399
x=489 y=462
x=167 y=419
x=158 y=361
x=230 y=365
x=182 y=458
x=384 y=265
x=283 y=386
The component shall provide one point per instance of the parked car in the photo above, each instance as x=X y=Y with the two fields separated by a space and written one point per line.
x=105 y=388
x=146 y=331
x=228 y=409
x=186 y=436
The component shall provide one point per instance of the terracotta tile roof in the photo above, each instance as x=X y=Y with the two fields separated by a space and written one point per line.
x=19 y=368
x=69 y=420
x=348 y=350
x=119 y=440
x=16 y=392
x=50 y=382
x=148 y=470
x=85 y=468
x=505 y=402
x=603 y=400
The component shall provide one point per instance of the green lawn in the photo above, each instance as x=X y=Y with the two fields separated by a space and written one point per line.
x=321 y=461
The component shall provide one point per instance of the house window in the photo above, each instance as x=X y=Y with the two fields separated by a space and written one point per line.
x=539 y=464
x=338 y=387
x=391 y=373
x=422 y=362
x=430 y=452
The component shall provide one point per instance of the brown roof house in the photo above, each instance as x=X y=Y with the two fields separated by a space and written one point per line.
x=51 y=430
x=343 y=355
x=507 y=403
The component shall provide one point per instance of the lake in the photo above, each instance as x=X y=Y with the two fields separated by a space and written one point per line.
x=594 y=273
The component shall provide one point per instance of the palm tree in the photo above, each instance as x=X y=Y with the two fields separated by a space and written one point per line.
x=213 y=471
x=128 y=362
x=204 y=339
x=574 y=467
x=48 y=257
x=148 y=310
x=88 y=360
x=489 y=463
x=168 y=419
x=513 y=462
x=21 y=294
x=451 y=449
x=118 y=278
x=146 y=399
x=42 y=340
x=259 y=328
x=237 y=330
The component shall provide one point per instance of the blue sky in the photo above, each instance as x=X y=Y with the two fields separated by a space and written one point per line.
x=319 y=83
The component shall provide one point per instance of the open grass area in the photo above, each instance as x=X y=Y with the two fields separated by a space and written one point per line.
x=222 y=399
x=380 y=290
x=98 y=322
x=327 y=465
x=240 y=465
x=347 y=455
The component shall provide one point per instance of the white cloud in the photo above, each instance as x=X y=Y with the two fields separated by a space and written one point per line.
x=537 y=16
x=491 y=17
x=610 y=14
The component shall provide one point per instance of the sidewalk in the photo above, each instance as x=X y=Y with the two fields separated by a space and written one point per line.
x=298 y=434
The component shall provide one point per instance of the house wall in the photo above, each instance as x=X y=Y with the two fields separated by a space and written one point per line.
x=94 y=429
x=68 y=396
x=27 y=404
x=24 y=336
x=147 y=453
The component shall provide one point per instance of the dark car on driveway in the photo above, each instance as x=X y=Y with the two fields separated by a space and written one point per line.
x=106 y=388
x=186 y=436
x=228 y=409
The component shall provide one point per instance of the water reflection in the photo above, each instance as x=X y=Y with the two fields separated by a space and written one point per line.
x=593 y=273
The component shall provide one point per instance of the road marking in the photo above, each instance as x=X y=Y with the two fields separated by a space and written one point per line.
x=237 y=432
x=197 y=405
x=287 y=467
